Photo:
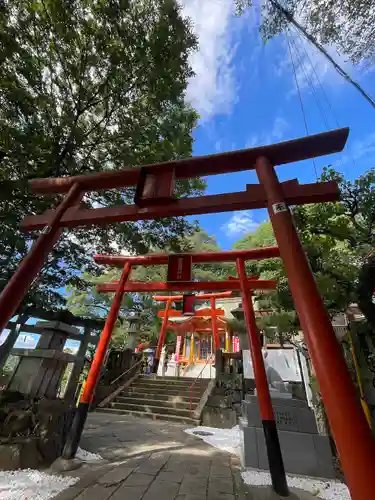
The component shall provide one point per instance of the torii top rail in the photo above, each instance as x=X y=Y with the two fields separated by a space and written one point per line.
x=161 y=202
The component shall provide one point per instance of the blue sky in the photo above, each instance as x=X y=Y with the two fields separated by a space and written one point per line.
x=245 y=93
x=29 y=340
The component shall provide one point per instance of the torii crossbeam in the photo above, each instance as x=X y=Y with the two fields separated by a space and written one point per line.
x=155 y=198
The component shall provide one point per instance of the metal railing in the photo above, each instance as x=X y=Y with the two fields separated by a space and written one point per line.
x=209 y=360
x=126 y=371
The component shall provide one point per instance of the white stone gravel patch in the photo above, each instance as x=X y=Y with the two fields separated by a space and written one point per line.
x=87 y=456
x=32 y=485
x=229 y=440
x=224 y=439
x=327 y=490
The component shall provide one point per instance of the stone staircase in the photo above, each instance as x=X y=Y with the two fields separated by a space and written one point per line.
x=159 y=398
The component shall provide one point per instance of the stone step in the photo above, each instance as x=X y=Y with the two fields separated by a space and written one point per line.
x=162 y=383
x=147 y=408
x=153 y=416
x=168 y=388
x=172 y=382
x=176 y=402
x=164 y=390
x=161 y=397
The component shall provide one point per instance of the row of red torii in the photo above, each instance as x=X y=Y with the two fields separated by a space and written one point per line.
x=155 y=198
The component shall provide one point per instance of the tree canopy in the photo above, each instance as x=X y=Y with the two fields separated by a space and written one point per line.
x=348 y=25
x=89 y=86
x=87 y=302
x=336 y=237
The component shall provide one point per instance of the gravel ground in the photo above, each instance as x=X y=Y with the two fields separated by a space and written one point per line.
x=86 y=456
x=230 y=440
x=31 y=485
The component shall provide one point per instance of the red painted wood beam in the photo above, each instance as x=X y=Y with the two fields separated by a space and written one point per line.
x=197 y=258
x=254 y=197
x=235 y=161
x=195 y=286
x=203 y=296
x=198 y=314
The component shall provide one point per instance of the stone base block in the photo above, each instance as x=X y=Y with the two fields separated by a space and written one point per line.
x=308 y=454
x=222 y=418
x=288 y=417
x=295 y=403
x=20 y=455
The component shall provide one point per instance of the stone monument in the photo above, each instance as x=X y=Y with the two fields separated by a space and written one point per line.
x=304 y=450
x=35 y=414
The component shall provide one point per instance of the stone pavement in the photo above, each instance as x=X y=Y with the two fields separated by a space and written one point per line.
x=152 y=460
x=157 y=460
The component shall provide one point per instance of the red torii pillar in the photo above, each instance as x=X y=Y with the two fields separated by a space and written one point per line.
x=274 y=455
x=163 y=331
x=79 y=420
x=353 y=437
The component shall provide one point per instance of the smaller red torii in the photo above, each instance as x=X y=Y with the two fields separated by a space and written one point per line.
x=169 y=299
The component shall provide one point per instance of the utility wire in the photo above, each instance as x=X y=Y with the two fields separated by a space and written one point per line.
x=299 y=94
x=318 y=80
x=337 y=122
x=309 y=82
x=321 y=49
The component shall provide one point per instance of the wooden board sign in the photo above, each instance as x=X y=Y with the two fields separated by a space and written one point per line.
x=179 y=268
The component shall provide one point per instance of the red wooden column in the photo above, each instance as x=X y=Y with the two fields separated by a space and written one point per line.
x=271 y=437
x=215 y=332
x=161 y=339
x=16 y=289
x=354 y=440
x=75 y=433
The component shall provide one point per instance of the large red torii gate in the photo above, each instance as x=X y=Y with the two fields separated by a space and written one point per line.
x=155 y=199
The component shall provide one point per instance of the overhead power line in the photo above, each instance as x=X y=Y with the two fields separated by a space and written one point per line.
x=310 y=83
x=318 y=79
x=321 y=49
x=299 y=95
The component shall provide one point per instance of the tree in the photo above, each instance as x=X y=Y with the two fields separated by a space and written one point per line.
x=87 y=302
x=85 y=87
x=336 y=238
x=347 y=25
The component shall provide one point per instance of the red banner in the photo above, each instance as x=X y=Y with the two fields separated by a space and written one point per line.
x=179 y=268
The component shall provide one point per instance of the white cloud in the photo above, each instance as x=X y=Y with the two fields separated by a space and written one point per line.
x=213 y=88
x=360 y=148
x=364 y=147
x=280 y=126
x=253 y=141
x=240 y=223
x=26 y=341
x=3 y=336
x=277 y=134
